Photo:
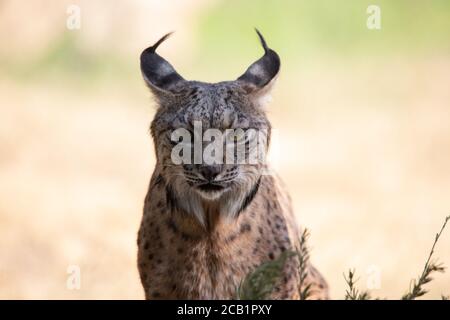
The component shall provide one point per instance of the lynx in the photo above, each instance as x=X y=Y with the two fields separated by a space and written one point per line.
x=206 y=226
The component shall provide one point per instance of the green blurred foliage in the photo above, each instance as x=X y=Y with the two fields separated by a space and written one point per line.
x=303 y=29
x=225 y=42
x=68 y=61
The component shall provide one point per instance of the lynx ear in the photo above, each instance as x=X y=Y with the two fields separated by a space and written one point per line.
x=157 y=72
x=261 y=73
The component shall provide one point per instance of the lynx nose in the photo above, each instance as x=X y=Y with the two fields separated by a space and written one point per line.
x=210 y=172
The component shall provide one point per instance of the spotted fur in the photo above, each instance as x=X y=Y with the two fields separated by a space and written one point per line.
x=195 y=244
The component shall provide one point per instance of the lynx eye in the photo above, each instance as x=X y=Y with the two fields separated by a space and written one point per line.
x=180 y=135
x=173 y=142
x=240 y=137
x=237 y=136
x=181 y=141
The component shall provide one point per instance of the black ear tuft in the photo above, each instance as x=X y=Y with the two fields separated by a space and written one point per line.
x=157 y=72
x=156 y=45
x=261 y=72
x=263 y=41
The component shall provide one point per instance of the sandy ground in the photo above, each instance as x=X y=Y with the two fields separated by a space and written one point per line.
x=367 y=164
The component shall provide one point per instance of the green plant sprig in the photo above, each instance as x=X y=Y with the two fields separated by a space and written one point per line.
x=352 y=293
x=416 y=289
x=304 y=290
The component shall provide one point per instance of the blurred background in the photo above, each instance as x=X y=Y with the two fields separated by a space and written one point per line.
x=362 y=119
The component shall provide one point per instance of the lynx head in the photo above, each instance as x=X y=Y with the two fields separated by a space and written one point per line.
x=194 y=120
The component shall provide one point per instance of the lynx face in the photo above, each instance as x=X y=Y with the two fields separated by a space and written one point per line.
x=228 y=114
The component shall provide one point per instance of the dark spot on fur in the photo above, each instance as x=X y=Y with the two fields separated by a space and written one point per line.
x=271 y=256
x=246 y=228
x=185 y=237
x=230 y=238
x=228 y=97
x=172 y=226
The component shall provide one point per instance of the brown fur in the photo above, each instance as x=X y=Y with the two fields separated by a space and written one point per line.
x=200 y=245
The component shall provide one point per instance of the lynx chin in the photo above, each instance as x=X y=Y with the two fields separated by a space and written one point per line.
x=207 y=225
